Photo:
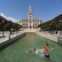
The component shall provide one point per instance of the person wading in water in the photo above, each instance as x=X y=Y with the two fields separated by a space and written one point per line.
x=46 y=50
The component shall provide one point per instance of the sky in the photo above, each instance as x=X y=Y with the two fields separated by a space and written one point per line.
x=42 y=9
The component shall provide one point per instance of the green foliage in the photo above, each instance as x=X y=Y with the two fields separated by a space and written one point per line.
x=51 y=25
x=6 y=25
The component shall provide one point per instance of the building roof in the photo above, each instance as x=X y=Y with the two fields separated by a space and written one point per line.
x=58 y=17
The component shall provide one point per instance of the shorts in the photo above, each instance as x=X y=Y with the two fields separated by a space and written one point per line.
x=47 y=55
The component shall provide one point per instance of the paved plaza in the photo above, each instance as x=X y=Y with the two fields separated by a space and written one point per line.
x=6 y=36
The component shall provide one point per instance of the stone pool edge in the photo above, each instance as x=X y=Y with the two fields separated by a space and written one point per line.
x=55 y=39
x=9 y=41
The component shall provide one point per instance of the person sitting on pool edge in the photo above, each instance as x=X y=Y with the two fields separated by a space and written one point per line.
x=46 y=50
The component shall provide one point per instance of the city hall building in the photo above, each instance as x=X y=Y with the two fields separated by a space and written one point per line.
x=30 y=24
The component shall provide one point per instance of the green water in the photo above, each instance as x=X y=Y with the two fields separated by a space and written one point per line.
x=16 y=52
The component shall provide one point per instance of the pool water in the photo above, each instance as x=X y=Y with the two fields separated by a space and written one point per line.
x=16 y=52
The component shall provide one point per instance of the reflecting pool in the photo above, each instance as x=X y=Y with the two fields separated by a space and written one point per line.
x=16 y=52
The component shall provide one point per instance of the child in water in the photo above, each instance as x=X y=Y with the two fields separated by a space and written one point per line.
x=46 y=50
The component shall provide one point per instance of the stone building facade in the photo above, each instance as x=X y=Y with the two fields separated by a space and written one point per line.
x=30 y=24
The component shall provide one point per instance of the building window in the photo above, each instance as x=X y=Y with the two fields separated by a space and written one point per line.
x=24 y=27
x=35 y=27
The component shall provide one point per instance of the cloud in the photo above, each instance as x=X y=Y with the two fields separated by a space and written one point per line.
x=1 y=14
x=12 y=19
x=8 y=18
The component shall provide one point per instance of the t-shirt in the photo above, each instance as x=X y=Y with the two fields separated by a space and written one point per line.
x=46 y=50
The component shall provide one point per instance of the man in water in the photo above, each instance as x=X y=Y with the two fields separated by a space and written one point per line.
x=35 y=51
